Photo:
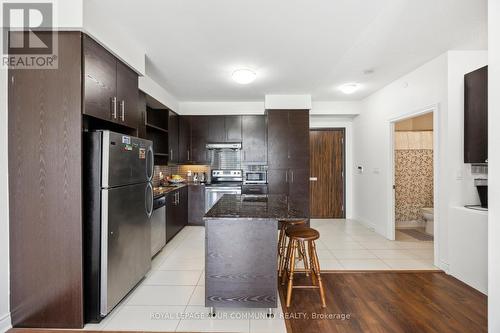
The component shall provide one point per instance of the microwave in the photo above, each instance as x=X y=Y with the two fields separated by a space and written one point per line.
x=255 y=177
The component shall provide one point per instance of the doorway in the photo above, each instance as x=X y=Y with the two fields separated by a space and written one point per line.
x=413 y=156
x=327 y=177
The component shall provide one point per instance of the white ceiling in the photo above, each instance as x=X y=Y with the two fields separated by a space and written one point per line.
x=296 y=46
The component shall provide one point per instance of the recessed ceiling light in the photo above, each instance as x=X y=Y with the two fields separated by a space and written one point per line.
x=349 y=88
x=244 y=76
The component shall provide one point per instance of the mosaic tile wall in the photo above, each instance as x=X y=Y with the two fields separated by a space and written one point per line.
x=181 y=170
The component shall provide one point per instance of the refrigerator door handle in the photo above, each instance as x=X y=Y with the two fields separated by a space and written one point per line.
x=149 y=163
x=149 y=198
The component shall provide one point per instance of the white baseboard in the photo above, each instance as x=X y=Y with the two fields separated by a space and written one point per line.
x=444 y=267
x=5 y=322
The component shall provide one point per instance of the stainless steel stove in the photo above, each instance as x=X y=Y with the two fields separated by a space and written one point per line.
x=223 y=182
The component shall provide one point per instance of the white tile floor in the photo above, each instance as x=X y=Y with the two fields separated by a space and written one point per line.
x=171 y=297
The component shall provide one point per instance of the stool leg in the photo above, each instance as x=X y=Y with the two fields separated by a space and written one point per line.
x=281 y=251
x=290 y=275
x=311 y=263
x=286 y=262
x=318 y=275
x=303 y=254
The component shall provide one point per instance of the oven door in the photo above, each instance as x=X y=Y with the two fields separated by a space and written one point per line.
x=213 y=194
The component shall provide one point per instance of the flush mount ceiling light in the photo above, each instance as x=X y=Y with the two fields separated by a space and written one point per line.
x=349 y=88
x=244 y=76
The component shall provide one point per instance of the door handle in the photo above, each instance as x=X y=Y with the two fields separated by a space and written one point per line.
x=149 y=190
x=122 y=110
x=113 y=107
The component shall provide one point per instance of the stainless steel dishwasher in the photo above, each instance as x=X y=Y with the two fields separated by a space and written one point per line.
x=158 y=225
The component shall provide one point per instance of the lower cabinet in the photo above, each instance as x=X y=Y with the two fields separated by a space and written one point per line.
x=177 y=211
x=196 y=204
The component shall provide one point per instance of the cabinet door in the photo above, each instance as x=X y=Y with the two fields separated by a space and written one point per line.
x=142 y=108
x=299 y=189
x=99 y=76
x=476 y=116
x=171 y=214
x=173 y=137
x=233 y=128
x=184 y=139
x=277 y=139
x=298 y=139
x=216 y=129
x=196 y=204
x=277 y=181
x=183 y=206
x=127 y=90
x=254 y=139
x=199 y=136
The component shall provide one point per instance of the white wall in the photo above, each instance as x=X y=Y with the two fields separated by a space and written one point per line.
x=221 y=108
x=153 y=89
x=321 y=121
x=438 y=82
x=494 y=166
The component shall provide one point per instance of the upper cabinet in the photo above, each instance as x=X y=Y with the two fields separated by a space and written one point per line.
x=110 y=87
x=173 y=137
x=476 y=116
x=184 y=139
x=224 y=129
x=232 y=126
x=254 y=139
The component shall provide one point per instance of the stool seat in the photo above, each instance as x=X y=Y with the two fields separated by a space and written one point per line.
x=290 y=223
x=302 y=233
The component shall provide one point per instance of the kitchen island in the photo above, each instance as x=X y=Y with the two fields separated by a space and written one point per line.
x=241 y=238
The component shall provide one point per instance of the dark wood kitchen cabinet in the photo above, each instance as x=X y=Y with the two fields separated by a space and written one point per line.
x=288 y=155
x=45 y=190
x=184 y=139
x=196 y=204
x=173 y=137
x=127 y=92
x=177 y=211
x=110 y=87
x=476 y=116
x=254 y=139
x=216 y=129
x=199 y=139
x=232 y=125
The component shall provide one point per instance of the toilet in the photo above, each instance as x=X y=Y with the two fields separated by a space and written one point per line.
x=428 y=214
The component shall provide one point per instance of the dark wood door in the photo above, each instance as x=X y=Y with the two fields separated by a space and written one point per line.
x=277 y=181
x=298 y=191
x=476 y=116
x=45 y=191
x=199 y=138
x=327 y=173
x=173 y=137
x=277 y=145
x=127 y=92
x=184 y=139
x=99 y=75
x=254 y=139
x=233 y=128
x=216 y=129
x=298 y=139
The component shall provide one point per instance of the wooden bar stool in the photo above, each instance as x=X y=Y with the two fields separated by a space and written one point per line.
x=283 y=225
x=298 y=238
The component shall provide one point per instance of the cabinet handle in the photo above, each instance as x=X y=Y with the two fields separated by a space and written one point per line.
x=286 y=176
x=113 y=107
x=122 y=110
x=172 y=155
x=292 y=175
x=244 y=155
x=188 y=155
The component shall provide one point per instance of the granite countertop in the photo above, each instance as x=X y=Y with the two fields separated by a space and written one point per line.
x=162 y=190
x=270 y=206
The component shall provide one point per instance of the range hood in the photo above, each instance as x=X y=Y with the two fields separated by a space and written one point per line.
x=224 y=145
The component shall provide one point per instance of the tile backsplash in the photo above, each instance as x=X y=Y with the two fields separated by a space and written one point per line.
x=181 y=170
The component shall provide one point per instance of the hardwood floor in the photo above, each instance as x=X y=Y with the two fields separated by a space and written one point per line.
x=389 y=302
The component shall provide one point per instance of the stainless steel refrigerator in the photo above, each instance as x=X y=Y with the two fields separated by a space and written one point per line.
x=118 y=204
